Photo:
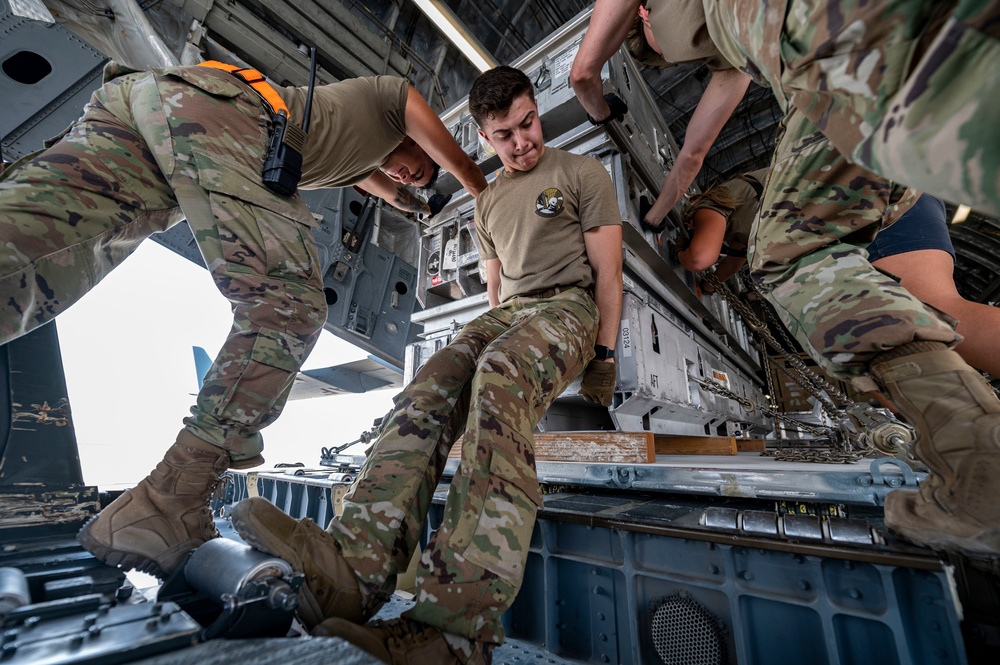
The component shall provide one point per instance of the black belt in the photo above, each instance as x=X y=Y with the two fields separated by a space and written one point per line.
x=556 y=290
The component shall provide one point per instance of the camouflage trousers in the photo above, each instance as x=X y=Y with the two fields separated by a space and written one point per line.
x=150 y=150
x=905 y=88
x=818 y=214
x=490 y=386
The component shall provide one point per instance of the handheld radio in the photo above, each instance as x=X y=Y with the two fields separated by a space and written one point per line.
x=283 y=164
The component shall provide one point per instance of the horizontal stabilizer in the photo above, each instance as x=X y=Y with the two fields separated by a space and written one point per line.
x=360 y=376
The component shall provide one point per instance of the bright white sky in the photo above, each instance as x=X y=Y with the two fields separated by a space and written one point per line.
x=131 y=378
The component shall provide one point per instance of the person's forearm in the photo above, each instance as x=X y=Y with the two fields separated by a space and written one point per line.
x=407 y=201
x=678 y=181
x=608 y=296
x=610 y=21
x=493 y=295
x=589 y=89
x=472 y=179
x=686 y=258
x=721 y=97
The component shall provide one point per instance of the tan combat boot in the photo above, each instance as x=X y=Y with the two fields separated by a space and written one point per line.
x=331 y=588
x=405 y=642
x=957 y=416
x=155 y=524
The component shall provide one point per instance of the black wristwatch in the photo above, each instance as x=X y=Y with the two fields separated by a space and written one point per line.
x=602 y=352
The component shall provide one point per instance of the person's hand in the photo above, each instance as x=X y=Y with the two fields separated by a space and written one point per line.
x=598 y=386
x=437 y=202
x=644 y=207
x=618 y=110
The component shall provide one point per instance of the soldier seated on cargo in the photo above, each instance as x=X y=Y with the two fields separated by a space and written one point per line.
x=550 y=235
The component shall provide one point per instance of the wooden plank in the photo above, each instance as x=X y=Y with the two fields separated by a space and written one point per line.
x=750 y=445
x=605 y=447
x=695 y=445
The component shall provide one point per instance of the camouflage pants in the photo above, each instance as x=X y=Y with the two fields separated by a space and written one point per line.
x=150 y=150
x=490 y=385
x=905 y=88
x=817 y=215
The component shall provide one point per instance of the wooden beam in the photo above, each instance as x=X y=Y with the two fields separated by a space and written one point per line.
x=750 y=445
x=604 y=447
x=695 y=445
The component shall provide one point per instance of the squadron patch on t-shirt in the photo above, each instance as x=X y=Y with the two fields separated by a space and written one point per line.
x=549 y=203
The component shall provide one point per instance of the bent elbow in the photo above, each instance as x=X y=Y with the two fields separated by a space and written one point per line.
x=696 y=262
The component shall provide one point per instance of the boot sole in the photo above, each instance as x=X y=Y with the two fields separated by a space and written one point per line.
x=910 y=524
x=117 y=558
x=985 y=544
x=249 y=527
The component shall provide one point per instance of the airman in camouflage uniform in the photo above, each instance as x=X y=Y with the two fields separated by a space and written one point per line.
x=907 y=90
x=831 y=298
x=550 y=236
x=151 y=149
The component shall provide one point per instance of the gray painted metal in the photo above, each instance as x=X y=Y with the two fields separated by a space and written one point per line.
x=270 y=651
x=110 y=634
x=600 y=563
x=38 y=447
x=371 y=291
x=46 y=76
x=746 y=475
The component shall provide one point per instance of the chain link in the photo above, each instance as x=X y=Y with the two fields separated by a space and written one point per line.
x=844 y=445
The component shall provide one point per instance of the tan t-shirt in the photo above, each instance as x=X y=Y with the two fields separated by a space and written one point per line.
x=354 y=126
x=739 y=219
x=682 y=34
x=534 y=221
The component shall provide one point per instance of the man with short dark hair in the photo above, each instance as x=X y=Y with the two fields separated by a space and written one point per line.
x=153 y=148
x=550 y=237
